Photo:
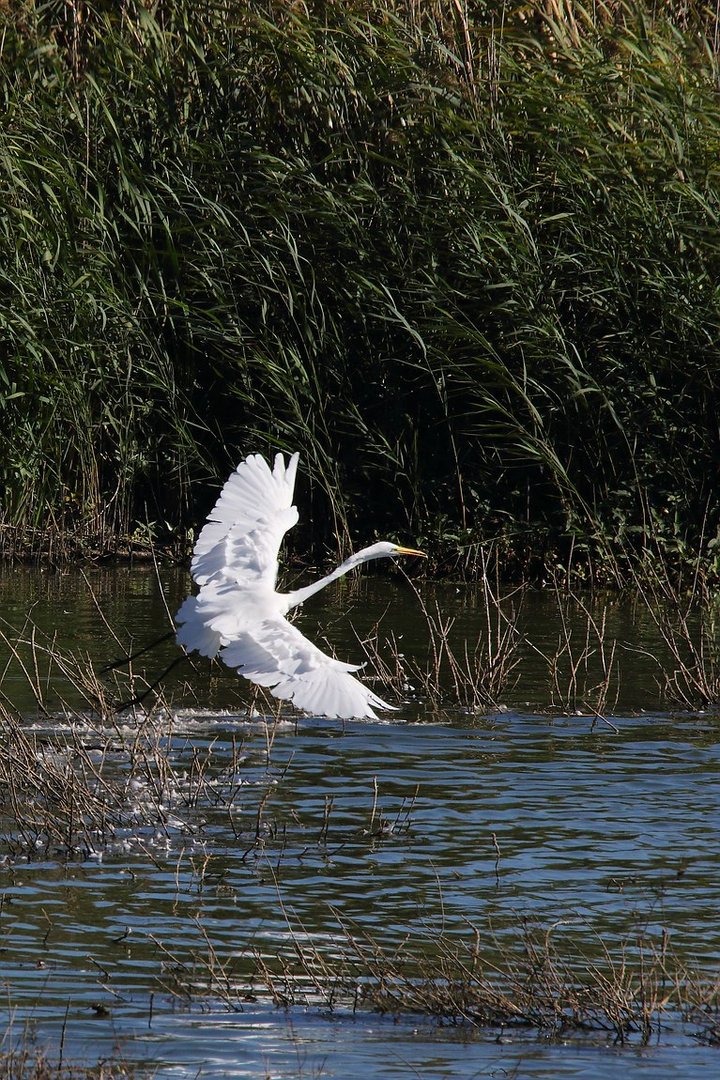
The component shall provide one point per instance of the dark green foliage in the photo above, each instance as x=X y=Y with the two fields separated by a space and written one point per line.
x=467 y=265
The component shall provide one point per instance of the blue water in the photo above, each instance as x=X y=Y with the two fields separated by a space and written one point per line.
x=308 y=833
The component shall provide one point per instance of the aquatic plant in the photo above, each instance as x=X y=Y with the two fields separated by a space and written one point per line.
x=584 y=670
x=456 y=673
x=87 y=777
x=24 y=1057
x=462 y=256
x=551 y=981
x=685 y=613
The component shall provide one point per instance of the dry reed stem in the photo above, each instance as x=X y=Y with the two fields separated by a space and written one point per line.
x=687 y=619
x=470 y=676
x=585 y=674
x=627 y=990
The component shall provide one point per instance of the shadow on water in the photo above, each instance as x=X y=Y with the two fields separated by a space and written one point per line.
x=259 y=845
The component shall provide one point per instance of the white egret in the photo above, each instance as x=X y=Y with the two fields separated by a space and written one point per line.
x=238 y=613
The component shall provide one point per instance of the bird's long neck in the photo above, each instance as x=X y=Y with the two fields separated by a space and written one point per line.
x=299 y=596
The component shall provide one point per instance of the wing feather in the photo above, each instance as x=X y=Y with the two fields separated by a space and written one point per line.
x=275 y=654
x=245 y=528
x=219 y=613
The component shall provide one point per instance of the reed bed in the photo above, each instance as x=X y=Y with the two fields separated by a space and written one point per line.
x=548 y=981
x=462 y=256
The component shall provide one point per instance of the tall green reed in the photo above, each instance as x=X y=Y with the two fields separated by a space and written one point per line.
x=462 y=256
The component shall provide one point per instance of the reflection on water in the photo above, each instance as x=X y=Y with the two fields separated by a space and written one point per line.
x=455 y=823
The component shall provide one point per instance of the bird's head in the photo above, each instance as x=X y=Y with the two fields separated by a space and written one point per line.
x=383 y=550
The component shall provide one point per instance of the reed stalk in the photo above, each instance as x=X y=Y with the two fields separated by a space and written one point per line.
x=462 y=256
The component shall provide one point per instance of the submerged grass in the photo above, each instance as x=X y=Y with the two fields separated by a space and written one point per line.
x=462 y=256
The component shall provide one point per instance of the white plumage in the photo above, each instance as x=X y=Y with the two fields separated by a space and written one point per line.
x=238 y=613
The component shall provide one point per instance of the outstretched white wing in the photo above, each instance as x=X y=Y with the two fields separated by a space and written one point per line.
x=235 y=560
x=275 y=654
x=244 y=530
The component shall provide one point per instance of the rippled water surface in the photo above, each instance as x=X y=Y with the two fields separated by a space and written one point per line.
x=435 y=826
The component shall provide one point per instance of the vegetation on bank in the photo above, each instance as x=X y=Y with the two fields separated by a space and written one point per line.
x=463 y=256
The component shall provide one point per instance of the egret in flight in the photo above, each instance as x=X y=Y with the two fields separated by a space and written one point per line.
x=239 y=615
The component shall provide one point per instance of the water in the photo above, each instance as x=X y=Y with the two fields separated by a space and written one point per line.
x=268 y=840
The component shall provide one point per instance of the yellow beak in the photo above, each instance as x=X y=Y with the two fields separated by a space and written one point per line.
x=409 y=551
